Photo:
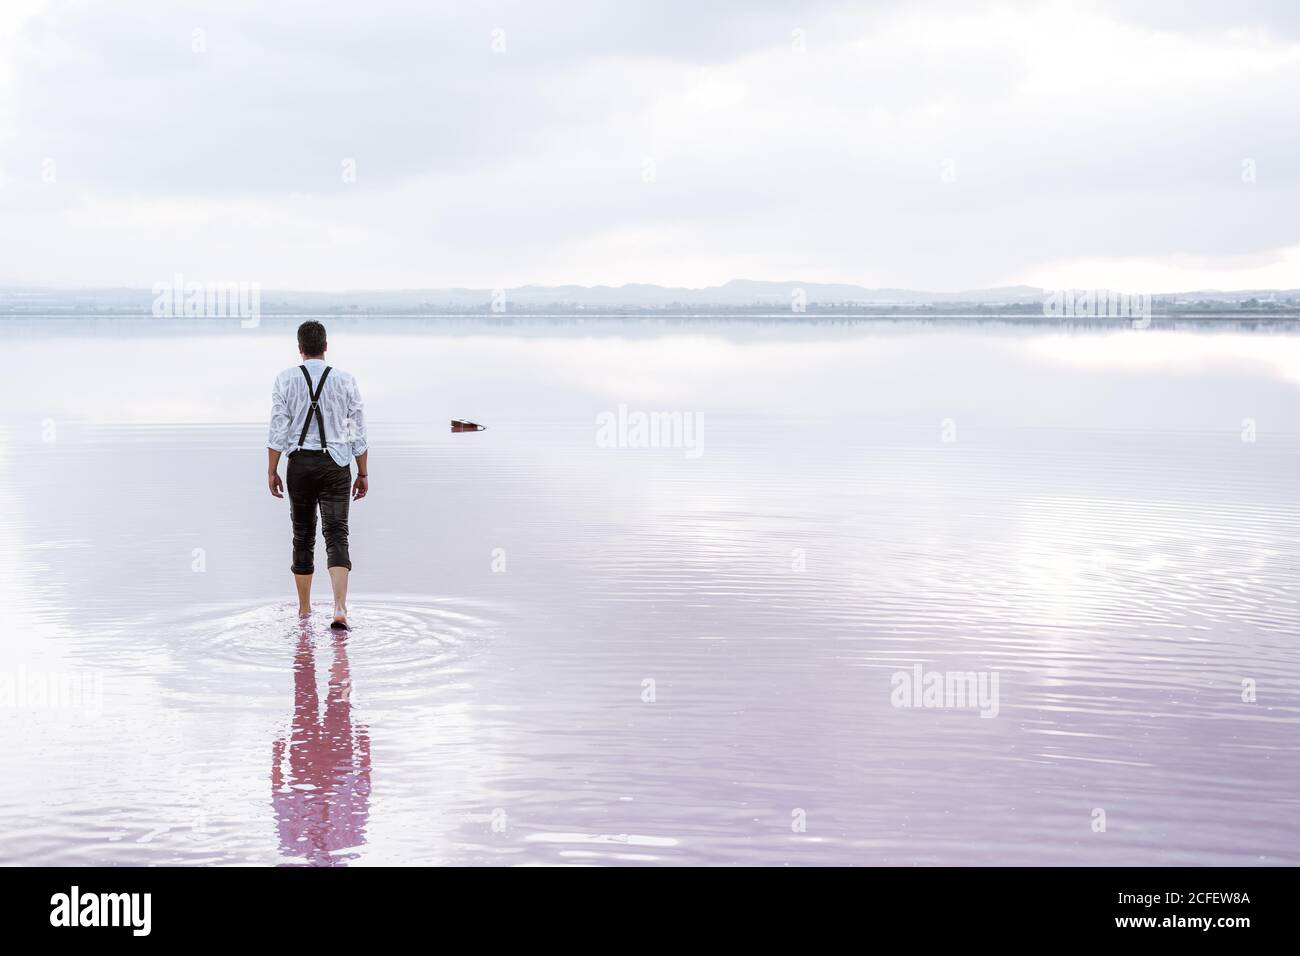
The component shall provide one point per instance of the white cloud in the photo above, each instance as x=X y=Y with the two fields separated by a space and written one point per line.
x=1075 y=138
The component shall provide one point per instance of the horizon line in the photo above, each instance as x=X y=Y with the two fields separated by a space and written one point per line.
x=1022 y=288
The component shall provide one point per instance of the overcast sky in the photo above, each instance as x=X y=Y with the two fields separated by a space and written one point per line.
x=938 y=146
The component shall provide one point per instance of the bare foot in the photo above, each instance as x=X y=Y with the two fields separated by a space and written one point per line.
x=340 y=622
x=304 y=611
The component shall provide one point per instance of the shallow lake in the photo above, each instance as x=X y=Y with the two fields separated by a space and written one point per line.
x=573 y=646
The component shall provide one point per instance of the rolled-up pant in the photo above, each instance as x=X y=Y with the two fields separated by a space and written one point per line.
x=317 y=481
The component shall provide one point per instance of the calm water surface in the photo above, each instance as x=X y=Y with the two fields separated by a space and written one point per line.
x=570 y=653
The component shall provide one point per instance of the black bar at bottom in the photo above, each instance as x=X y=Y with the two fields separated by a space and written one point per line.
x=218 y=905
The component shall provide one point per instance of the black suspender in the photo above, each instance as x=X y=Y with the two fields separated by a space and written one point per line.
x=315 y=406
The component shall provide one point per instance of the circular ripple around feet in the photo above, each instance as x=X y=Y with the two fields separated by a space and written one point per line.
x=397 y=644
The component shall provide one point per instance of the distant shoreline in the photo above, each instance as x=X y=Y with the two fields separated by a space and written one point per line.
x=178 y=295
x=1191 y=318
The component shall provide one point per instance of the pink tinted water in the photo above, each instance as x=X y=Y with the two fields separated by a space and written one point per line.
x=567 y=651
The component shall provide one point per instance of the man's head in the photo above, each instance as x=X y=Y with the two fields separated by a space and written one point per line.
x=311 y=339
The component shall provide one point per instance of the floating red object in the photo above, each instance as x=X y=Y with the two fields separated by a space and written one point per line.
x=460 y=425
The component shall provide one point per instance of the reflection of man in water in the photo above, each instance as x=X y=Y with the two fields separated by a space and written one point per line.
x=321 y=808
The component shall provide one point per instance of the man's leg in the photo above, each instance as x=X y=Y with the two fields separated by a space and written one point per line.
x=303 y=584
x=339 y=582
x=302 y=512
x=334 y=499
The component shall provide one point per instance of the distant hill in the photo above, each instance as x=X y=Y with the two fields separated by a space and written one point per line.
x=738 y=295
x=750 y=292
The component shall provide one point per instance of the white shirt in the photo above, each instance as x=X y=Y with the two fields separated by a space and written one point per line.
x=340 y=401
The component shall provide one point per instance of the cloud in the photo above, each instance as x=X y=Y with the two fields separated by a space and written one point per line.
x=938 y=146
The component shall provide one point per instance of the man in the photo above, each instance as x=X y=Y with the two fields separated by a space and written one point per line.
x=316 y=410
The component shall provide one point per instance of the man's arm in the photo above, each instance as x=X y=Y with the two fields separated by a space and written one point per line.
x=277 y=439
x=360 y=446
x=273 y=473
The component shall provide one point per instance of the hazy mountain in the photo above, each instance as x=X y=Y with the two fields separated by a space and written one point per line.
x=738 y=294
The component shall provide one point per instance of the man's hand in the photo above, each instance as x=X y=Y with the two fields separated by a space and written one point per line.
x=273 y=472
x=362 y=484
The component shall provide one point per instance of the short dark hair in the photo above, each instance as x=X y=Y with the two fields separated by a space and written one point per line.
x=311 y=338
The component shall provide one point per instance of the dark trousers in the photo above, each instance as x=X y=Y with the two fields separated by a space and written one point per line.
x=315 y=480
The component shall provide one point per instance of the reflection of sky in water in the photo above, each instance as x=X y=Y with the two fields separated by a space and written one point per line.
x=174 y=371
x=1098 y=533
